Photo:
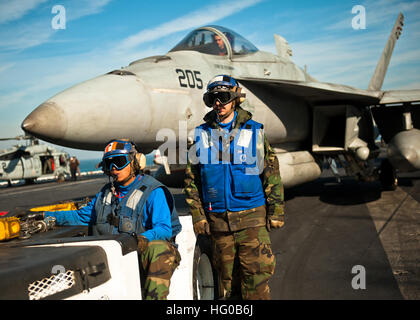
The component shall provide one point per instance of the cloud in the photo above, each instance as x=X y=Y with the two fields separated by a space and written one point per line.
x=67 y=72
x=105 y=58
x=352 y=60
x=38 y=31
x=6 y=67
x=14 y=10
x=194 y=19
x=25 y=36
x=377 y=13
x=86 y=8
x=340 y=54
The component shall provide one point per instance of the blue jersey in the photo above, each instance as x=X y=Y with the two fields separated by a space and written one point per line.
x=156 y=213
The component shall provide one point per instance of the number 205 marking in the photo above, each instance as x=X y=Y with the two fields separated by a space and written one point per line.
x=189 y=79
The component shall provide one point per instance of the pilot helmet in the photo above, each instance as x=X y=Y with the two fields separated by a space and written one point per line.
x=223 y=88
x=119 y=153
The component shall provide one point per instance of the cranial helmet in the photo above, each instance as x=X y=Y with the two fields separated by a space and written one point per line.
x=119 y=153
x=222 y=80
x=223 y=83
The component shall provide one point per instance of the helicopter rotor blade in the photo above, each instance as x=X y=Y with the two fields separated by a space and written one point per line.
x=21 y=137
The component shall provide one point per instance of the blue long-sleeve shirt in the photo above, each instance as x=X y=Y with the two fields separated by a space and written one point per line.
x=156 y=214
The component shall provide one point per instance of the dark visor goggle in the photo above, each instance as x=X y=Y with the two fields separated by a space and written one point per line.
x=224 y=97
x=118 y=161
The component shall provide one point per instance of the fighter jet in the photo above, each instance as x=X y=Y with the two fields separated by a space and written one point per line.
x=158 y=98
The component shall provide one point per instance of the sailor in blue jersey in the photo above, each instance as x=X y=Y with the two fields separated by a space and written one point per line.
x=156 y=214
x=136 y=204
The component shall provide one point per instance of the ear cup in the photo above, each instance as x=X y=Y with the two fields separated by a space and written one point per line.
x=102 y=166
x=141 y=160
x=241 y=96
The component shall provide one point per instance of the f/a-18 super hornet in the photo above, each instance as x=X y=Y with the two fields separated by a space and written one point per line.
x=306 y=121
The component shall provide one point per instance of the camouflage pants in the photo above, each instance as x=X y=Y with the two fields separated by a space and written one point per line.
x=245 y=263
x=158 y=263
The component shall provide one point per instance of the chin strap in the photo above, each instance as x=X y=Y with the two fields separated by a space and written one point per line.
x=132 y=174
x=226 y=116
x=112 y=185
x=217 y=117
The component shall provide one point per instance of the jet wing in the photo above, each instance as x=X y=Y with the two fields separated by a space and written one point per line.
x=317 y=93
x=400 y=96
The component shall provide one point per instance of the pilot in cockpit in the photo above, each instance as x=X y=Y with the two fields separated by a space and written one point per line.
x=220 y=45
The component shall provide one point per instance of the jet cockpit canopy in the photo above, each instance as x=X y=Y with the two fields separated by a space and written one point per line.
x=216 y=40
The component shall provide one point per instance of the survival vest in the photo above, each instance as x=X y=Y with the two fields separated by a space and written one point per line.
x=127 y=215
x=230 y=166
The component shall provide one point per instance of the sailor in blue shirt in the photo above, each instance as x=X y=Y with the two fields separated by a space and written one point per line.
x=136 y=204
x=156 y=214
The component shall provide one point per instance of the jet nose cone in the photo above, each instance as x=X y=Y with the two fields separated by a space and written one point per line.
x=46 y=122
x=89 y=114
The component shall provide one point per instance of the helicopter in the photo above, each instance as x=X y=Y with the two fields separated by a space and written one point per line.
x=32 y=161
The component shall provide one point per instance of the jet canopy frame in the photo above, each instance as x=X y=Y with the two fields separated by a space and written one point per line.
x=205 y=40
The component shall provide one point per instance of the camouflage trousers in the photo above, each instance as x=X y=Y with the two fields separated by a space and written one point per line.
x=245 y=263
x=157 y=264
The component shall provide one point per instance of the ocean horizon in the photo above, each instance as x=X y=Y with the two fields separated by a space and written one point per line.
x=87 y=165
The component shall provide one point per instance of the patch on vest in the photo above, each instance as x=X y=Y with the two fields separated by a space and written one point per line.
x=134 y=199
x=212 y=193
x=108 y=199
x=245 y=138
x=205 y=139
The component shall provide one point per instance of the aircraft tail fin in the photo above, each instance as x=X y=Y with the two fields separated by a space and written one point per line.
x=283 y=47
x=378 y=77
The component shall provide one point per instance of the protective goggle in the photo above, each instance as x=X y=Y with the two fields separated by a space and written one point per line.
x=224 y=97
x=117 y=161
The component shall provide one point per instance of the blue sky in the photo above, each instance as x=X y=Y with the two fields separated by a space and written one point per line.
x=37 y=61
